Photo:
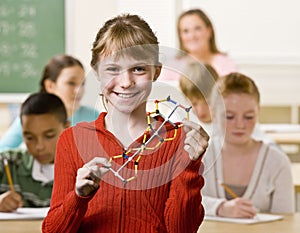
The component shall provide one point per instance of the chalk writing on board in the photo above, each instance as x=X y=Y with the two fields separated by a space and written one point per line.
x=31 y=32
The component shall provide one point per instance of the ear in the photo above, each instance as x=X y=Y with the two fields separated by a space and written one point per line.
x=157 y=71
x=49 y=86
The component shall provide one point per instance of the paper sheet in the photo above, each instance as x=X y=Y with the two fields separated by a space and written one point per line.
x=25 y=213
x=257 y=219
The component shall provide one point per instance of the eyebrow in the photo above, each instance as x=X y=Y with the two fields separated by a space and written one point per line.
x=131 y=65
x=249 y=111
x=47 y=131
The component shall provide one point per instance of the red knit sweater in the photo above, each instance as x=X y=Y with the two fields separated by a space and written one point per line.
x=165 y=197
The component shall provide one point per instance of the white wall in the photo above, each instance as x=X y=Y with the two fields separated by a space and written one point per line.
x=255 y=30
x=262 y=36
x=83 y=19
x=86 y=17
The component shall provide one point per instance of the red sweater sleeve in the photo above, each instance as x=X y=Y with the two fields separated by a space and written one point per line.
x=184 y=212
x=67 y=209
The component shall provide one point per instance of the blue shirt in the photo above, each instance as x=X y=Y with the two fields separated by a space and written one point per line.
x=13 y=136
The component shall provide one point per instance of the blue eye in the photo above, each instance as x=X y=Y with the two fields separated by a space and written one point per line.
x=139 y=69
x=113 y=69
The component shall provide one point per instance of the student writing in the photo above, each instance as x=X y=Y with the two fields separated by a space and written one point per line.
x=257 y=172
x=43 y=117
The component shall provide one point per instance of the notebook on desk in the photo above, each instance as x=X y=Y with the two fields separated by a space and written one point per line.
x=259 y=218
x=25 y=213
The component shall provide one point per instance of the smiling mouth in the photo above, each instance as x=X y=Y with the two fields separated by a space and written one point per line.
x=125 y=95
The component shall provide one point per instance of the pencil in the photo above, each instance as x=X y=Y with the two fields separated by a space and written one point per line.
x=229 y=191
x=7 y=171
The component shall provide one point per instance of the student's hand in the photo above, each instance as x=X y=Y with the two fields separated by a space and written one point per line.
x=10 y=201
x=196 y=140
x=237 y=208
x=89 y=176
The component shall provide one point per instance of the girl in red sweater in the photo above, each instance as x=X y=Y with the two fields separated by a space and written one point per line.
x=126 y=171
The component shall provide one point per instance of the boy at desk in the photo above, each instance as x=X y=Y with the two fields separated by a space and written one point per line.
x=27 y=175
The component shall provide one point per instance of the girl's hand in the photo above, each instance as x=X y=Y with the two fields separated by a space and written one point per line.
x=10 y=201
x=237 y=208
x=196 y=140
x=89 y=176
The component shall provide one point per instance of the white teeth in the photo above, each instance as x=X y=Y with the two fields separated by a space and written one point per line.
x=123 y=95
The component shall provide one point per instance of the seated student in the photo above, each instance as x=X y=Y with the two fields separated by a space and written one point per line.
x=43 y=118
x=63 y=76
x=196 y=84
x=243 y=175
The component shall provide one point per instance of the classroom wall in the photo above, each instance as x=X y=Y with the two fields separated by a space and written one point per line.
x=88 y=16
x=261 y=36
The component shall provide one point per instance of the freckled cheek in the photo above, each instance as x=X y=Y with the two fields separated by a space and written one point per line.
x=251 y=126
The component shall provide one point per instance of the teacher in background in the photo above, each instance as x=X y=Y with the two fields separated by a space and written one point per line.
x=197 y=42
x=63 y=76
x=243 y=175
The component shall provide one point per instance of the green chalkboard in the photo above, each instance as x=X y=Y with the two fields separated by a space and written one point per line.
x=31 y=32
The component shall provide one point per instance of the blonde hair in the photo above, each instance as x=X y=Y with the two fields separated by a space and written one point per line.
x=125 y=31
x=234 y=83
x=198 y=80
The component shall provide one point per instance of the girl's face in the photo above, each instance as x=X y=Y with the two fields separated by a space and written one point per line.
x=194 y=33
x=240 y=117
x=40 y=133
x=126 y=83
x=69 y=86
x=201 y=109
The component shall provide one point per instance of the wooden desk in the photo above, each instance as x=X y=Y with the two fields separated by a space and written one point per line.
x=292 y=138
x=21 y=226
x=290 y=224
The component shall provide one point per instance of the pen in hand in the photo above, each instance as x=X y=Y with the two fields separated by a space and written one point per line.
x=7 y=171
x=229 y=191
x=246 y=203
